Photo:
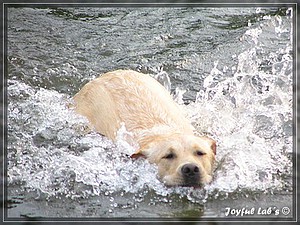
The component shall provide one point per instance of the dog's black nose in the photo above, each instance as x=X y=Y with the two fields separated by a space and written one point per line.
x=190 y=170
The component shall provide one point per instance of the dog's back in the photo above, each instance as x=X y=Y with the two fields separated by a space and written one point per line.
x=135 y=99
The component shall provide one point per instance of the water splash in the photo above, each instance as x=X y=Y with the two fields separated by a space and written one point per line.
x=250 y=114
x=57 y=153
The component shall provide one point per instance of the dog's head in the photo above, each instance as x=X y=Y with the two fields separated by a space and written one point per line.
x=182 y=160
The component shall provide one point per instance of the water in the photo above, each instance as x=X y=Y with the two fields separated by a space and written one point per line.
x=230 y=69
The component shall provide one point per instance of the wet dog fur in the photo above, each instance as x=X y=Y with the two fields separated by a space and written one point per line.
x=164 y=136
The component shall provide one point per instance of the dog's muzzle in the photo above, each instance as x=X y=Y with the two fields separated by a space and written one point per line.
x=190 y=174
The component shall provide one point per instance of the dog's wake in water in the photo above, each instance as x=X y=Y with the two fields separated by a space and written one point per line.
x=63 y=156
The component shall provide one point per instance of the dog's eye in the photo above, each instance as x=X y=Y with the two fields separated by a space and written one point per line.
x=199 y=153
x=170 y=156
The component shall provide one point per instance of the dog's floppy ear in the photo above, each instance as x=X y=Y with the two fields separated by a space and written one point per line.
x=140 y=153
x=143 y=151
x=137 y=155
x=214 y=146
x=212 y=143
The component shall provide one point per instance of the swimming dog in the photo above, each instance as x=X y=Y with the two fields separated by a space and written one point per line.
x=163 y=134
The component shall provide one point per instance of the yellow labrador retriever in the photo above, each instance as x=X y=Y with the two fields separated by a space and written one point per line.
x=164 y=136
